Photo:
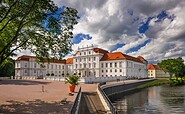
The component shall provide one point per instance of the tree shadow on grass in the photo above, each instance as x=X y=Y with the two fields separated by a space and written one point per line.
x=35 y=107
x=21 y=82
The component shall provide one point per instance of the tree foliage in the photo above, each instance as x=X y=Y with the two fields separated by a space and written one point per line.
x=7 y=68
x=37 y=25
x=175 y=67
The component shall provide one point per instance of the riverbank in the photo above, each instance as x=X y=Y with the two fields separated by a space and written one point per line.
x=157 y=82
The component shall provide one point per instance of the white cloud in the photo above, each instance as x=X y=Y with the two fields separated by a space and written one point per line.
x=110 y=22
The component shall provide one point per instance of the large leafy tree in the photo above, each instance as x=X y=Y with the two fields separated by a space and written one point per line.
x=37 y=25
x=166 y=66
x=174 y=67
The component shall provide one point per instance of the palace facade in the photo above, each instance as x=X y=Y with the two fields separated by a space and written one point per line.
x=92 y=64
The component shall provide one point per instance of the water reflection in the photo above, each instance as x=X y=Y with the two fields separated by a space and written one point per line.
x=153 y=100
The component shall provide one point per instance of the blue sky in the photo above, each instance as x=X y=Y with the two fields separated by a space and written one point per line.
x=154 y=29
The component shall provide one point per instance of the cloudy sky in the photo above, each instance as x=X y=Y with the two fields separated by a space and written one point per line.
x=154 y=29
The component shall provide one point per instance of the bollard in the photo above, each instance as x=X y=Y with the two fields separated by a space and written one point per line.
x=42 y=88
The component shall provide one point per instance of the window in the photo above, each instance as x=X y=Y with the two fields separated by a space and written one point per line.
x=102 y=75
x=63 y=67
x=55 y=66
x=89 y=65
x=80 y=65
x=84 y=65
x=76 y=65
x=59 y=72
x=59 y=66
x=120 y=70
x=84 y=53
x=106 y=70
x=35 y=65
x=115 y=70
x=89 y=52
x=89 y=73
x=94 y=65
x=106 y=65
x=25 y=71
x=76 y=60
x=89 y=59
x=25 y=64
x=94 y=58
x=120 y=64
x=51 y=66
x=80 y=53
x=110 y=70
x=110 y=64
x=115 y=75
x=94 y=72
x=34 y=71
x=102 y=65
x=84 y=59
x=80 y=59
x=47 y=66
x=115 y=64
x=102 y=71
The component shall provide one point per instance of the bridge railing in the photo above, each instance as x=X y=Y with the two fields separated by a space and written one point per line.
x=76 y=104
x=107 y=100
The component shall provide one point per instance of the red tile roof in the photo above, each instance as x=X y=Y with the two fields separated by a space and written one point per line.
x=118 y=56
x=58 y=61
x=26 y=58
x=75 y=53
x=153 y=67
x=69 y=61
x=99 y=50
x=141 y=58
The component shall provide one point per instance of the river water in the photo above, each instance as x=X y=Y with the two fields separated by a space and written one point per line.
x=153 y=100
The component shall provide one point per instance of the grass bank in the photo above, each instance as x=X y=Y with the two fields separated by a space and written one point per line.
x=158 y=82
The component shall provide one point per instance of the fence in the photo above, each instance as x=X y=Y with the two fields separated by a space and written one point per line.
x=107 y=100
x=76 y=104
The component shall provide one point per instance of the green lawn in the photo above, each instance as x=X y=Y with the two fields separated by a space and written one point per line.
x=159 y=81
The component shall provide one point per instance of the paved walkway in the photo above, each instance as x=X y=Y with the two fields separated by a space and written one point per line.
x=26 y=96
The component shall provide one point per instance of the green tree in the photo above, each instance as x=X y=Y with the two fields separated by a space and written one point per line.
x=37 y=25
x=175 y=67
x=165 y=65
x=7 y=68
x=179 y=68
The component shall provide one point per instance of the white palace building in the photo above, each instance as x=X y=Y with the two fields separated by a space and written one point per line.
x=92 y=64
